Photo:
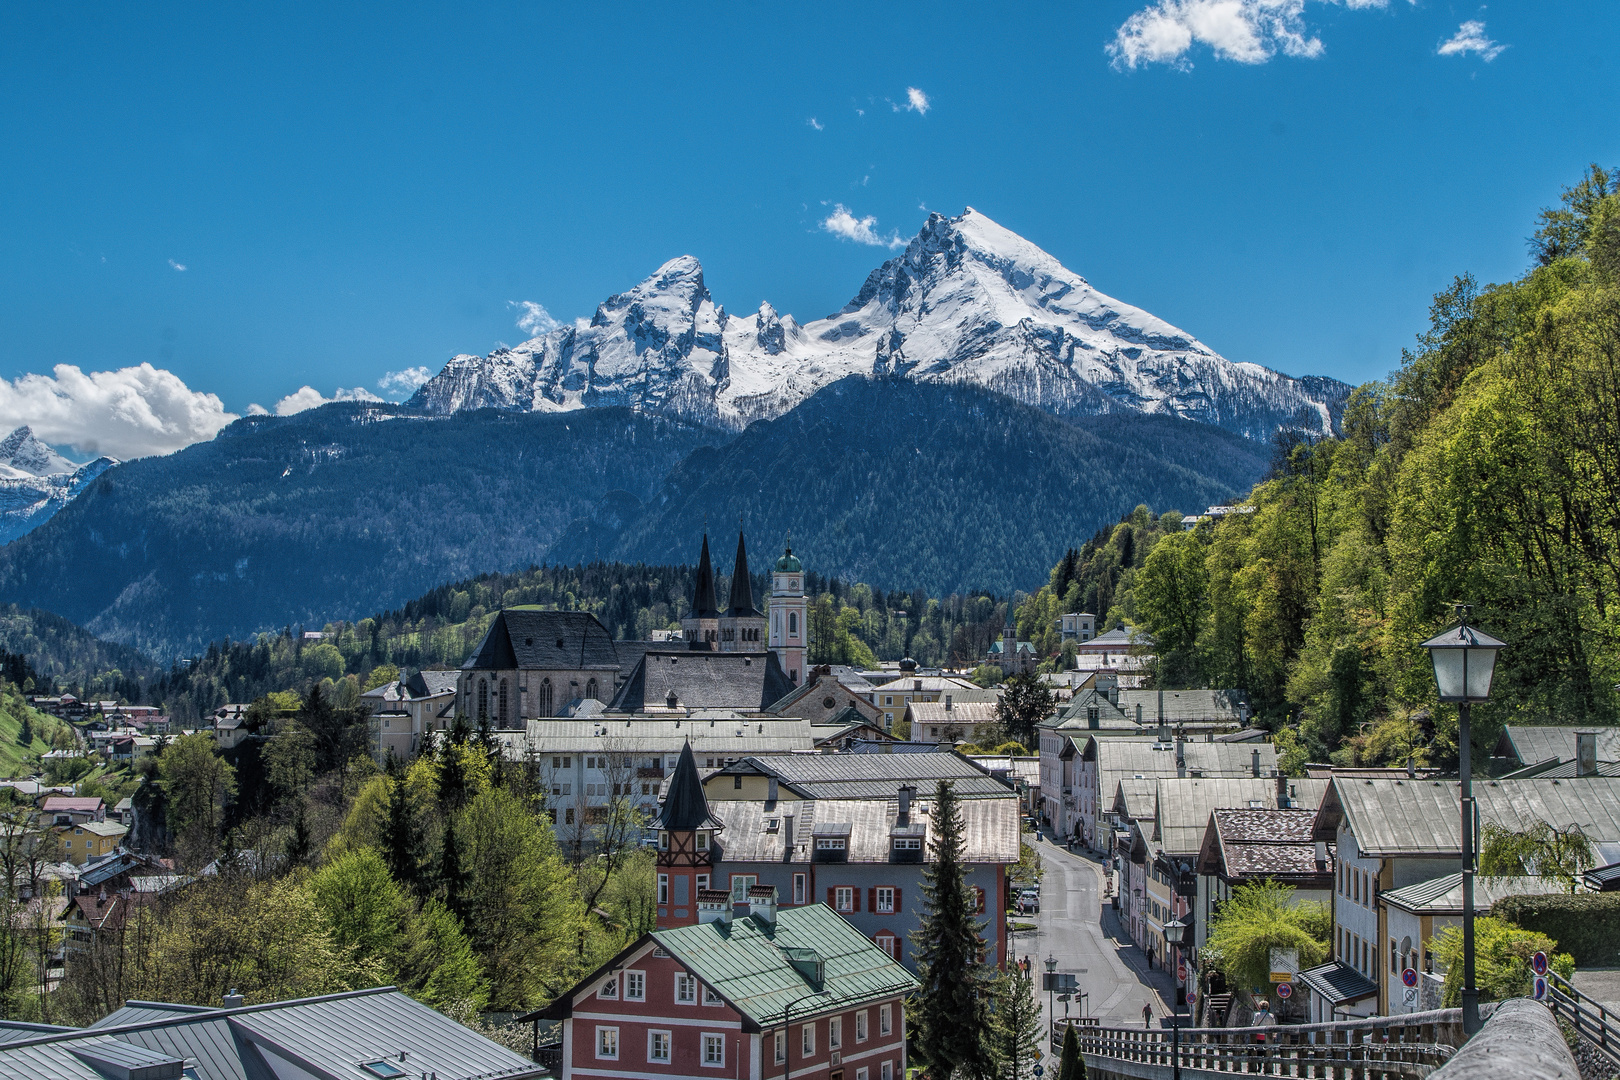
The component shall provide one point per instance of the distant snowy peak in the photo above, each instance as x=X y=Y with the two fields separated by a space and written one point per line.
x=967 y=301
x=21 y=454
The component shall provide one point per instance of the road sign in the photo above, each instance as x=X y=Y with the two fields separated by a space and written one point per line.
x=1181 y=971
x=1539 y=988
x=1192 y=997
x=1538 y=963
x=1409 y=977
x=1409 y=996
x=1285 y=990
x=1040 y=1070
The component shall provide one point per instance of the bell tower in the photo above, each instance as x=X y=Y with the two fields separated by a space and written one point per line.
x=790 y=633
x=685 y=845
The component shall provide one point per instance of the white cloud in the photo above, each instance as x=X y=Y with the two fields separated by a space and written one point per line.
x=307 y=397
x=178 y=266
x=404 y=383
x=255 y=409
x=1470 y=38
x=535 y=320
x=842 y=223
x=129 y=413
x=917 y=101
x=817 y=124
x=1247 y=31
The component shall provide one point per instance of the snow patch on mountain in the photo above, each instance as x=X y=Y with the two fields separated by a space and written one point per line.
x=36 y=482
x=966 y=301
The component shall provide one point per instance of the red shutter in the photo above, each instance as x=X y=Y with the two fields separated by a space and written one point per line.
x=830 y=902
x=897 y=899
x=855 y=898
x=871 y=900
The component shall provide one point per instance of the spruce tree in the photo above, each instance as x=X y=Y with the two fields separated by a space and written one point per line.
x=1017 y=1034
x=25 y=734
x=402 y=838
x=952 y=1011
x=452 y=767
x=299 y=843
x=452 y=877
x=1072 y=1066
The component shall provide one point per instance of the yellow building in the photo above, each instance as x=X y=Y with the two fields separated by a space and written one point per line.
x=90 y=839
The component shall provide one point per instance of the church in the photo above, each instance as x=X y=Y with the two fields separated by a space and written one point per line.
x=740 y=626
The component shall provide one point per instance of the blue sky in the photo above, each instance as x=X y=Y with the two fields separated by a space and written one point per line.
x=356 y=191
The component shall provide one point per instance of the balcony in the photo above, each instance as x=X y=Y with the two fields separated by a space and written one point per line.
x=645 y=773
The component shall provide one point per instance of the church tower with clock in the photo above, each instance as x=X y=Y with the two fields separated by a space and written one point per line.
x=790 y=632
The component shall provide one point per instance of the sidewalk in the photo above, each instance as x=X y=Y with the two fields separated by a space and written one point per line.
x=1160 y=981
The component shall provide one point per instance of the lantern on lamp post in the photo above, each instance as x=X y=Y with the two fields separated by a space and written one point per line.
x=1464 y=662
x=1175 y=936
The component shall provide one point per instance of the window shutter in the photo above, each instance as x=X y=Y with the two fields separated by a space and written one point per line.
x=871 y=899
x=830 y=901
x=855 y=898
x=897 y=899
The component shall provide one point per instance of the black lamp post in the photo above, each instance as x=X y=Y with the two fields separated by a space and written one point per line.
x=1175 y=937
x=1464 y=661
x=1051 y=1006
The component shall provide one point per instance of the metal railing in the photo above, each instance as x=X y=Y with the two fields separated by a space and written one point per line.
x=1589 y=1018
x=1381 y=1049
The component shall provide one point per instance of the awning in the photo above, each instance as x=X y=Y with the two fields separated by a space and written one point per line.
x=1339 y=983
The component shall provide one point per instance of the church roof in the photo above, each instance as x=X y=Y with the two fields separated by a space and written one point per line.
x=685 y=806
x=526 y=637
x=748 y=682
x=788 y=563
x=704 y=604
x=742 y=590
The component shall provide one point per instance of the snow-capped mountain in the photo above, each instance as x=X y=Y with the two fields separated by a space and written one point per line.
x=967 y=301
x=36 y=482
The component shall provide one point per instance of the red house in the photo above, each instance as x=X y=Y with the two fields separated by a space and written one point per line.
x=741 y=995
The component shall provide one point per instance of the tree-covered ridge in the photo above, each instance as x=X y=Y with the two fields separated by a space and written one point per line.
x=1485 y=470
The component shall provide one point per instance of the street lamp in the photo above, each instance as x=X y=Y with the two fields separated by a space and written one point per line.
x=1464 y=661
x=1051 y=1006
x=1175 y=937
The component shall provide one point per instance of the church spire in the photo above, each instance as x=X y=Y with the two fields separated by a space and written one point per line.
x=704 y=605
x=742 y=589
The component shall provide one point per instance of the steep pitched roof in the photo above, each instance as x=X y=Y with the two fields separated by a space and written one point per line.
x=685 y=806
x=749 y=682
x=527 y=637
x=704 y=604
x=742 y=590
x=1529 y=744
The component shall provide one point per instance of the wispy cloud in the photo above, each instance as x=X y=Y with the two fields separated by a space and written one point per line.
x=845 y=225
x=535 y=319
x=128 y=413
x=178 y=266
x=307 y=397
x=817 y=124
x=917 y=101
x=1470 y=38
x=404 y=383
x=1247 y=31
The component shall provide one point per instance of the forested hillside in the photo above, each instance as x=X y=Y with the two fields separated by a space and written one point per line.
x=1486 y=469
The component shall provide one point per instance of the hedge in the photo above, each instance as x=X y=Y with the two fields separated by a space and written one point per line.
x=1586 y=925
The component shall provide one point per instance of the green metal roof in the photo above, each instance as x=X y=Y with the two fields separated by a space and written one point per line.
x=747 y=961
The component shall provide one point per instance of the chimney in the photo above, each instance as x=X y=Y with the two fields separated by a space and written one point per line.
x=1161 y=708
x=916 y=684
x=1321 y=855
x=714 y=905
x=1411 y=767
x=787 y=832
x=1138 y=714
x=1586 y=753
x=762 y=903
x=233 y=1000
x=1254 y=762
x=947 y=702
x=1283 y=802
x=1181 y=756
x=770 y=789
x=907 y=793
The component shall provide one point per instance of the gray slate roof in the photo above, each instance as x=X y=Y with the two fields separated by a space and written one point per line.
x=989 y=827
x=1409 y=818
x=526 y=637
x=723 y=732
x=331 y=1034
x=1339 y=983
x=1443 y=895
x=1185 y=806
x=1529 y=744
x=1184 y=706
x=874 y=776
x=750 y=682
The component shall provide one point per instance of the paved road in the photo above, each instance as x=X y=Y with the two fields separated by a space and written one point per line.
x=1087 y=941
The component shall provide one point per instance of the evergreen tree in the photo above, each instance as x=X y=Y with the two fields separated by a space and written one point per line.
x=1072 y=1066
x=452 y=766
x=952 y=1010
x=1017 y=1036
x=452 y=875
x=1026 y=702
x=25 y=734
x=299 y=843
x=402 y=837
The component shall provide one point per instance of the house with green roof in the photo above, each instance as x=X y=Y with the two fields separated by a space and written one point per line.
x=747 y=992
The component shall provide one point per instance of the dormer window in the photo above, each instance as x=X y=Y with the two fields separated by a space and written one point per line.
x=831 y=843
x=703 y=840
x=907 y=843
x=663 y=840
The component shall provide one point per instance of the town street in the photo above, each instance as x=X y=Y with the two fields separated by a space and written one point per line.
x=1115 y=978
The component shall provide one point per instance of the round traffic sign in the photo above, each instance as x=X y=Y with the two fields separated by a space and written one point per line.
x=1040 y=1070
x=1192 y=997
x=1181 y=972
x=1538 y=963
x=1409 y=977
x=1285 y=990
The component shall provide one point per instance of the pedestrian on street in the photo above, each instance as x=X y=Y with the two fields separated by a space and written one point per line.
x=1147 y=1016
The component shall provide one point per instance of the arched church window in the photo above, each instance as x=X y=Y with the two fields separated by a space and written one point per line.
x=545 y=697
x=483 y=699
x=793 y=622
x=501 y=709
x=590 y=689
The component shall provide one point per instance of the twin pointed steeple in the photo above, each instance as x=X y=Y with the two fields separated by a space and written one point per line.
x=704 y=605
x=742 y=590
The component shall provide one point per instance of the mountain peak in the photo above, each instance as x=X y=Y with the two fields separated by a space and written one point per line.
x=22 y=454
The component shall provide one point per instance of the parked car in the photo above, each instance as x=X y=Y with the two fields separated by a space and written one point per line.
x=1029 y=902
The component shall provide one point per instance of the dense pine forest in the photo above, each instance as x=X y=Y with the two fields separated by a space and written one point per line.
x=1485 y=470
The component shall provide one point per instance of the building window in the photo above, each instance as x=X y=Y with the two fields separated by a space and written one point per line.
x=663 y=888
x=835 y=1033
x=607 y=1044
x=890 y=945
x=781 y=1047
x=501 y=713
x=885 y=1020
x=831 y=843
x=798 y=888
x=862 y=1074
x=483 y=699
x=702 y=882
x=740 y=884
x=886 y=1071
x=807 y=1040
x=844 y=899
x=711 y=996
x=793 y=623
x=860 y=1026
x=635 y=986
x=885 y=900
x=590 y=689
x=544 y=704
x=714 y=1049
x=658 y=1046
x=610 y=989
x=685 y=990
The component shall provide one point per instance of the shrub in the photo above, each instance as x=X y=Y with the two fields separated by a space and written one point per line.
x=1585 y=925
x=1502 y=955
